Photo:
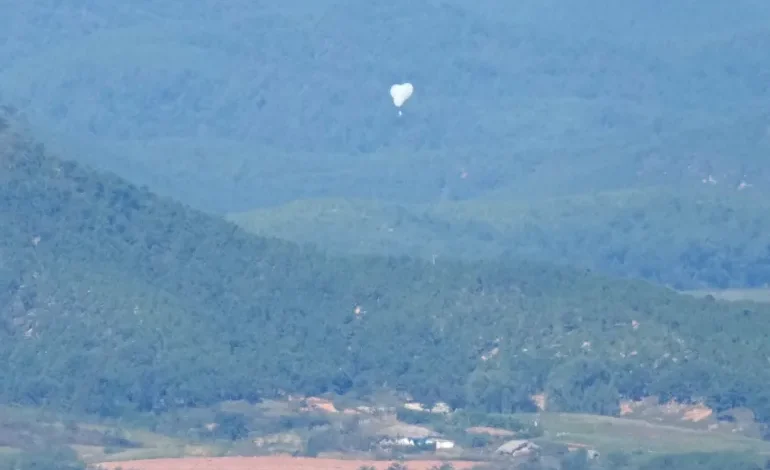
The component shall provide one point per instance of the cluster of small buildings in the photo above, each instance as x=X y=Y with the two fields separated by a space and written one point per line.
x=422 y=443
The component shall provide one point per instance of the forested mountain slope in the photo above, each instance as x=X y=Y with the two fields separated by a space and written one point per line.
x=711 y=236
x=114 y=299
x=254 y=103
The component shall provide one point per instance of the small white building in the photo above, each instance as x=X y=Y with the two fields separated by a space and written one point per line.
x=397 y=442
x=443 y=444
x=438 y=443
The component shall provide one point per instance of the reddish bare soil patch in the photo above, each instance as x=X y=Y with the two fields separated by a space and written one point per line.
x=270 y=463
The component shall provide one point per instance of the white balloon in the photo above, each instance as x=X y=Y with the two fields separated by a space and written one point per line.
x=400 y=93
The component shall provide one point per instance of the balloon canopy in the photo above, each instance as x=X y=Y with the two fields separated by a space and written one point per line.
x=400 y=93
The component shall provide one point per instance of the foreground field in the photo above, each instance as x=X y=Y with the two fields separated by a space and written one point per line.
x=271 y=463
x=275 y=428
x=609 y=434
x=92 y=439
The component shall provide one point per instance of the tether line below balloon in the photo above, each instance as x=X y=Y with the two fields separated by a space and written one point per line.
x=400 y=93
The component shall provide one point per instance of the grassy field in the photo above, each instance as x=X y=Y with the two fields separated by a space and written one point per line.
x=20 y=427
x=608 y=434
x=109 y=442
x=151 y=446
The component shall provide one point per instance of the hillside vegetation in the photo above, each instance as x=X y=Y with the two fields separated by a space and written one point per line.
x=255 y=103
x=628 y=141
x=707 y=237
x=115 y=300
x=233 y=214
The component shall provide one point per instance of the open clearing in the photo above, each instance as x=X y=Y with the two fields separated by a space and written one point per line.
x=271 y=463
x=606 y=434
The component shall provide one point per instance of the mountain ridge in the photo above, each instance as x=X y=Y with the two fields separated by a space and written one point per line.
x=688 y=239
x=119 y=301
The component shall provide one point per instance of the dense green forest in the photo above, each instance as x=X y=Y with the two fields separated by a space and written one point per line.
x=577 y=134
x=220 y=202
x=115 y=299
x=687 y=240
x=254 y=103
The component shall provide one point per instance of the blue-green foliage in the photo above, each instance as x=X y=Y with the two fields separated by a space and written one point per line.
x=255 y=102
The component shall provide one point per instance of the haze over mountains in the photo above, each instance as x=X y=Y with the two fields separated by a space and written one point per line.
x=253 y=103
x=220 y=202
